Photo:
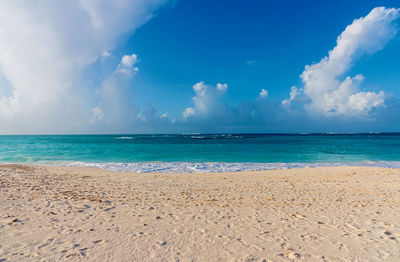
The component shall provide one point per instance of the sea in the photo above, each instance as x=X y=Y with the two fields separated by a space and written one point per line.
x=203 y=152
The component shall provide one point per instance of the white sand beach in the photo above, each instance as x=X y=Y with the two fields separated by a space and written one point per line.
x=88 y=214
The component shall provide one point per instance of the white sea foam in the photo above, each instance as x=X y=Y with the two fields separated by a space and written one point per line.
x=125 y=138
x=219 y=167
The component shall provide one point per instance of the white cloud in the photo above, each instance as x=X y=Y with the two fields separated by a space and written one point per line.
x=365 y=101
x=189 y=111
x=127 y=65
x=199 y=87
x=97 y=115
x=222 y=87
x=106 y=54
x=129 y=60
x=263 y=93
x=118 y=114
x=206 y=100
x=45 y=45
x=294 y=92
x=346 y=100
x=331 y=96
x=115 y=106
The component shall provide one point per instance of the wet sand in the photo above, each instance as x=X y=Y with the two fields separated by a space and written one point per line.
x=88 y=214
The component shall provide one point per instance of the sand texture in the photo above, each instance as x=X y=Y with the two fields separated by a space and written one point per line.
x=315 y=214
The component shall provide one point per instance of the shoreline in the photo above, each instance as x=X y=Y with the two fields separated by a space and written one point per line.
x=304 y=214
x=208 y=167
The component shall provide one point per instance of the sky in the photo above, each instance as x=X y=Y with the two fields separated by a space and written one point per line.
x=188 y=66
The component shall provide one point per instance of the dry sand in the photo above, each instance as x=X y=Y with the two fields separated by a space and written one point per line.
x=316 y=214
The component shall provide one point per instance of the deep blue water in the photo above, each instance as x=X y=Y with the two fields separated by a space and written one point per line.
x=199 y=148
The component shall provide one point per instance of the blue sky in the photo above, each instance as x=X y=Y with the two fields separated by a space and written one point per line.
x=260 y=44
x=82 y=78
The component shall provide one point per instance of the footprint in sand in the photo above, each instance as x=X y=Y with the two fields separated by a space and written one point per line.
x=388 y=233
x=15 y=221
x=97 y=241
x=297 y=215
x=290 y=254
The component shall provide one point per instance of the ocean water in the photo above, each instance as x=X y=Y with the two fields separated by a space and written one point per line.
x=203 y=152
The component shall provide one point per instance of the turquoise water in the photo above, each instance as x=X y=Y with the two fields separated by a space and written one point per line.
x=201 y=152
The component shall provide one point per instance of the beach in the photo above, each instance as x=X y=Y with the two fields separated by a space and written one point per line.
x=53 y=213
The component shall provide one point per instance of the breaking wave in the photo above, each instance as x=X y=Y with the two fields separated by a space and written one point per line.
x=219 y=167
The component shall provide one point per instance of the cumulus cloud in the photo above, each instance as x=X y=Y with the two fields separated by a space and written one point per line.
x=222 y=87
x=206 y=101
x=322 y=84
x=129 y=60
x=263 y=93
x=127 y=65
x=294 y=92
x=115 y=109
x=45 y=45
x=210 y=113
x=189 y=111
x=165 y=115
